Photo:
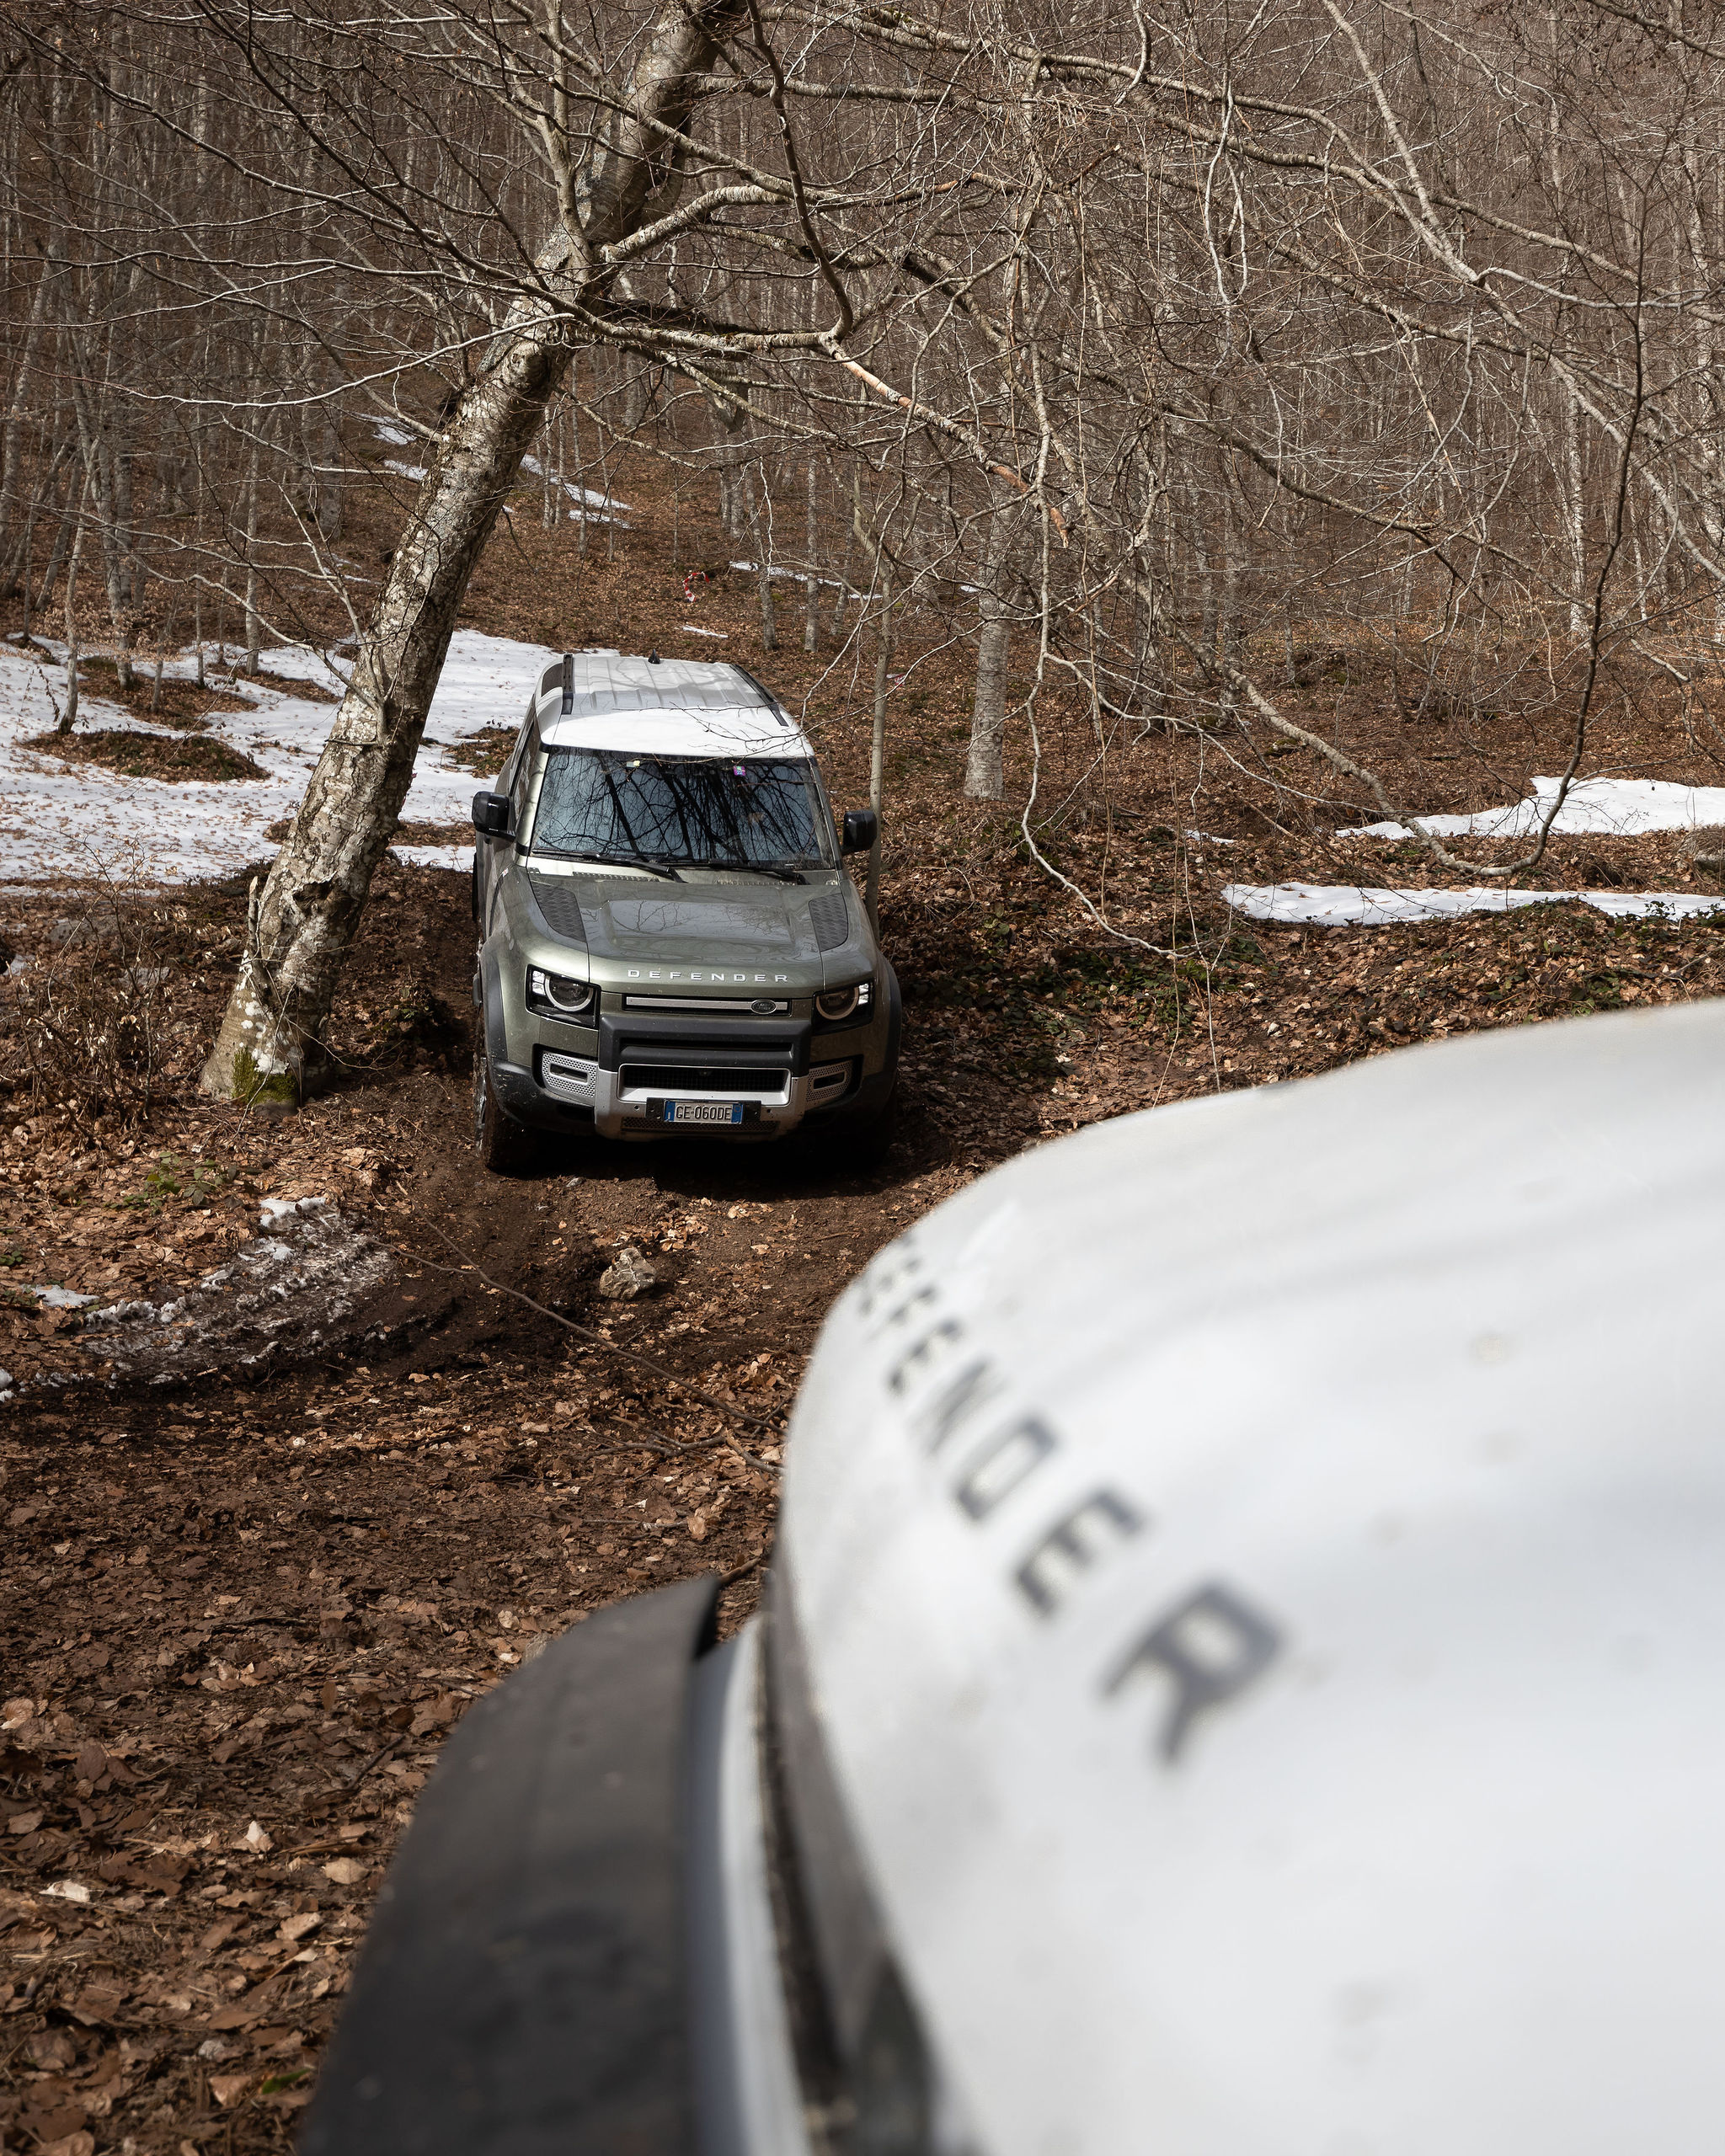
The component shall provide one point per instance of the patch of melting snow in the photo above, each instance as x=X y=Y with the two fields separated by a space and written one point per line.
x=60 y=1298
x=287 y=1286
x=581 y=494
x=1368 y=906
x=270 y=1210
x=435 y=857
x=1594 y=807
x=63 y=822
x=595 y=505
x=833 y=583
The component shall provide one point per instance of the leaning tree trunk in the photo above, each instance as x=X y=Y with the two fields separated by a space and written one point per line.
x=269 y=1048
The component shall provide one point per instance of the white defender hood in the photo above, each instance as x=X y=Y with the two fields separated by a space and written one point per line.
x=1261 y=1565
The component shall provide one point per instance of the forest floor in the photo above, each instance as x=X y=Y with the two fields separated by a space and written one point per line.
x=266 y=1537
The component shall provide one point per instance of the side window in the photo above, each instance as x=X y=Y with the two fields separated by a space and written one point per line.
x=527 y=754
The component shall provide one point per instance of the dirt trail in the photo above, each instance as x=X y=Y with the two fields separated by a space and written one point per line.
x=245 y=1600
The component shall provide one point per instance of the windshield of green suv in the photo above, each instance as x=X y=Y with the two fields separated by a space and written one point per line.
x=708 y=811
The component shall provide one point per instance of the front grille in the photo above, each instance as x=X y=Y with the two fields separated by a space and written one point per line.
x=748 y=1081
x=730 y=1006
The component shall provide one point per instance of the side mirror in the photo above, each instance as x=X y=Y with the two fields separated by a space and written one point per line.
x=861 y=829
x=491 y=814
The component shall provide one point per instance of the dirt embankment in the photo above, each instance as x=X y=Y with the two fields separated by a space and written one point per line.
x=321 y=1473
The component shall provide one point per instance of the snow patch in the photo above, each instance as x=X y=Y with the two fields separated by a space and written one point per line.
x=272 y=1211
x=595 y=505
x=580 y=494
x=61 y=823
x=60 y=1298
x=459 y=857
x=1595 y=808
x=797 y=576
x=284 y=1289
x=1346 y=905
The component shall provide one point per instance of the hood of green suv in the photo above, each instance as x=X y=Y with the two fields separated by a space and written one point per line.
x=705 y=925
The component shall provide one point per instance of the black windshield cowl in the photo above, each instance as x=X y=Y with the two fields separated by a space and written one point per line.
x=622 y=860
x=782 y=870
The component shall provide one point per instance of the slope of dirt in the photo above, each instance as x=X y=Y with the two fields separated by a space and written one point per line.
x=361 y=1429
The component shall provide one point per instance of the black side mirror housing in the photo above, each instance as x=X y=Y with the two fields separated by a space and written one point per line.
x=491 y=814
x=861 y=829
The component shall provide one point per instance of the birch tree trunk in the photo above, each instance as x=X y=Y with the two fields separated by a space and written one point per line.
x=984 y=778
x=68 y=715
x=252 y=629
x=877 y=746
x=270 y=1047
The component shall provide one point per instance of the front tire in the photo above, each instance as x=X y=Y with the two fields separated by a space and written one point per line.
x=504 y=1146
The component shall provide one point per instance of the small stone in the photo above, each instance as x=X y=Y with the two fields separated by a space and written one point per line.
x=628 y=1276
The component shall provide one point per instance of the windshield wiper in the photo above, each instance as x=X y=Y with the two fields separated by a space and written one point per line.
x=625 y=861
x=780 y=870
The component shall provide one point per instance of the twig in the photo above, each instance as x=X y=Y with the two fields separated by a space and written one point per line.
x=377 y=1760
x=585 y=1332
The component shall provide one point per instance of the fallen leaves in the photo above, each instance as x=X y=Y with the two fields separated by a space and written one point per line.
x=81 y=2142
x=97 y=2004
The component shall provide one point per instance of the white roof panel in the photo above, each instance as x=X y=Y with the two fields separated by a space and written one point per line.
x=673 y=706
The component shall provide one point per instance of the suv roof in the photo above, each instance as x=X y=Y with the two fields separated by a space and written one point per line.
x=675 y=706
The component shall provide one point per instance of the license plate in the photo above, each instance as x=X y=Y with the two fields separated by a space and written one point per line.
x=703 y=1111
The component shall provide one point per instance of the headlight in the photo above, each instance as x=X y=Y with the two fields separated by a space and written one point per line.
x=555 y=996
x=842 y=1002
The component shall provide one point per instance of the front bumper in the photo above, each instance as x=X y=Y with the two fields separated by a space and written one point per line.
x=621 y=1109
x=616 y=1078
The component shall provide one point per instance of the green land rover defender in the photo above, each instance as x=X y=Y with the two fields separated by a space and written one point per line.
x=669 y=943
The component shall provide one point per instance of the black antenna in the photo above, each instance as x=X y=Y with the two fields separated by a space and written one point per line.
x=568 y=683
